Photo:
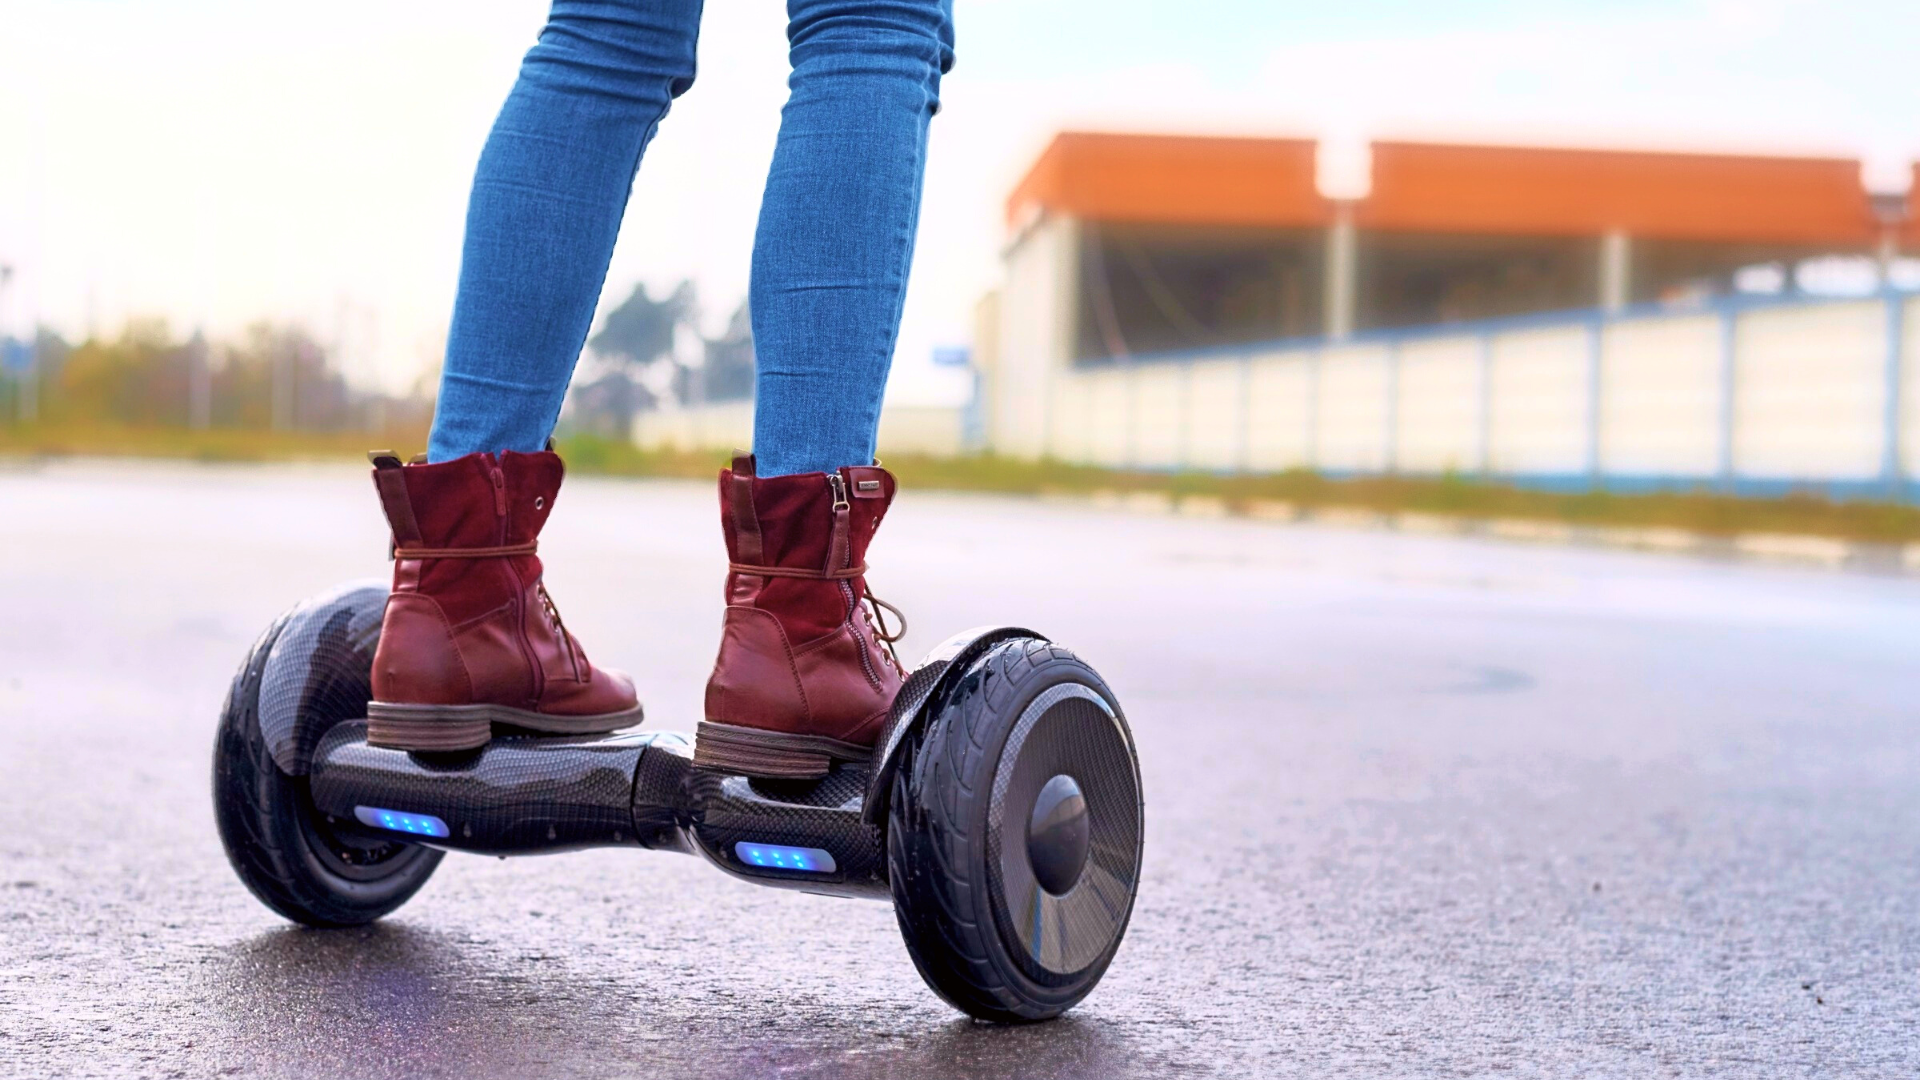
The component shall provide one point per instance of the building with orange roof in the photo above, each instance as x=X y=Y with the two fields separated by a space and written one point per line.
x=1551 y=315
x=1190 y=242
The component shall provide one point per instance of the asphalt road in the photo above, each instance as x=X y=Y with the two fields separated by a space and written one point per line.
x=1417 y=806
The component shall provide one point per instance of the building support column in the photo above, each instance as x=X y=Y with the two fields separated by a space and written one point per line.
x=1243 y=439
x=1342 y=274
x=1890 y=463
x=1066 y=325
x=1483 y=420
x=1314 y=360
x=1390 y=453
x=1729 y=338
x=1616 y=271
x=1183 y=450
x=1596 y=340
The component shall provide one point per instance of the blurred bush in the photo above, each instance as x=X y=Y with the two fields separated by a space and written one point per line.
x=272 y=378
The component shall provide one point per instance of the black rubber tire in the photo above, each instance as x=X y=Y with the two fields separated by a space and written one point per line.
x=937 y=845
x=285 y=852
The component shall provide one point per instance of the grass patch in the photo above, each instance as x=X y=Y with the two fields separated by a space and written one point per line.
x=1451 y=496
x=213 y=444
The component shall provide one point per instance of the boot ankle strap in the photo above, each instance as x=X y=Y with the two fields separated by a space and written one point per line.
x=796 y=572
x=501 y=552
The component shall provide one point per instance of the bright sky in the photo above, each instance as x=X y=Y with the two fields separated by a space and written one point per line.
x=219 y=162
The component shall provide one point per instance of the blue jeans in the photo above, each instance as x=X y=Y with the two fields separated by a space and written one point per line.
x=830 y=257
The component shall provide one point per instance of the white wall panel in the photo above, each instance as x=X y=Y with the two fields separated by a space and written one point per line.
x=1437 y=410
x=1109 y=413
x=1216 y=414
x=1351 y=409
x=1035 y=305
x=919 y=429
x=1277 y=411
x=707 y=427
x=1070 y=419
x=1660 y=397
x=1809 y=395
x=1159 y=407
x=727 y=425
x=1538 y=415
x=1809 y=392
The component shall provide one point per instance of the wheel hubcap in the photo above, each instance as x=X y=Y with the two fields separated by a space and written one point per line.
x=1063 y=833
x=1059 y=835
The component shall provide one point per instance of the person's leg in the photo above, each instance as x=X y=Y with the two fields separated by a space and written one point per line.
x=547 y=200
x=806 y=674
x=836 y=229
x=471 y=640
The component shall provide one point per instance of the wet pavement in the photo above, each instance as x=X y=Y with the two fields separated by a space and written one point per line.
x=1417 y=806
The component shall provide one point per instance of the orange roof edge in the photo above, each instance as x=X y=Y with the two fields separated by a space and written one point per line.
x=1724 y=197
x=1457 y=188
x=1175 y=179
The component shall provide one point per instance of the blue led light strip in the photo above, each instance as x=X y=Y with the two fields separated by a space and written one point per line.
x=400 y=821
x=806 y=860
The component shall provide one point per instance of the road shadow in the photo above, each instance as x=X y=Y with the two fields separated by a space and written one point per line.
x=403 y=1000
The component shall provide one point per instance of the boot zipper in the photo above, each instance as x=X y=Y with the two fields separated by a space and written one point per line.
x=853 y=606
x=539 y=673
x=499 y=490
x=840 y=503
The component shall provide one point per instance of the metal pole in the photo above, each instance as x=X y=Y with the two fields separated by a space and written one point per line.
x=1616 y=271
x=27 y=404
x=6 y=278
x=1729 y=333
x=1314 y=360
x=1342 y=268
x=276 y=388
x=1243 y=453
x=1485 y=418
x=1890 y=463
x=1185 y=417
x=1594 y=347
x=30 y=387
x=199 y=384
x=1390 y=453
x=1130 y=454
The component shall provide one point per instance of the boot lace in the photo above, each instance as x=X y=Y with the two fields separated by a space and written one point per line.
x=875 y=612
x=560 y=628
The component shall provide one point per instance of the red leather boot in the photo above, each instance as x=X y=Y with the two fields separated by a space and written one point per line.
x=471 y=639
x=805 y=675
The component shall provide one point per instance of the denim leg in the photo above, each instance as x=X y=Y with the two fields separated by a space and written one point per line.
x=547 y=200
x=835 y=236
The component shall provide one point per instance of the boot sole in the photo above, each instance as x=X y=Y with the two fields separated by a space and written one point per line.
x=771 y=755
x=430 y=728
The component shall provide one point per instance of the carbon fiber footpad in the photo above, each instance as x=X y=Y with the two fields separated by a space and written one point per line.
x=820 y=815
x=514 y=796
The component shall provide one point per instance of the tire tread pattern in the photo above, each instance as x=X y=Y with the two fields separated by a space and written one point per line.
x=936 y=842
x=255 y=806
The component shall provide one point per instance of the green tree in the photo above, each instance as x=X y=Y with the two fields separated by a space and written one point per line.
x=640 y=331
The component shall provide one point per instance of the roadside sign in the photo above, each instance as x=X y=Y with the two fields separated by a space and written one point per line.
x=16 y=356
